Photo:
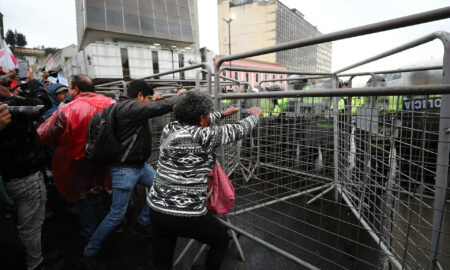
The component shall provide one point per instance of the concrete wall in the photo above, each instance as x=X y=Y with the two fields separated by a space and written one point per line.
x=104 y=61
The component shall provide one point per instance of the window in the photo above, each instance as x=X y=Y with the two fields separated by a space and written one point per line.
x=187 y=33
x=180 y=60
x=257 y=77
x=155 y=63
x=114 y=17
x=181 y=64
x=147 y=26
x=145 y=5
x=161 y=27
x=132 y=23
x=236 y=75
x=246 y=76
x=125 y=66
x=175 y=31
x=95 y=17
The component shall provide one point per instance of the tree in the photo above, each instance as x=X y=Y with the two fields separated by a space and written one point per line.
x=21 y=40
x=50 y=50
x=11 y=38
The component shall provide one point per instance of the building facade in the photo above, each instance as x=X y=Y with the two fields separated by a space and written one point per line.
x=168 y=22
x=254 y=78
x=131 y=39
x=57 y=60
x=262 y=23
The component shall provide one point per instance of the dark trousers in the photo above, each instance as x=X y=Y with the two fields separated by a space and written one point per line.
x=12 y=251
x=206 y=229
x=87 y=218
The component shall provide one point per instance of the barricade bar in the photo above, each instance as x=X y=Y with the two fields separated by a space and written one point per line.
x=345 y=92
x=391 y=71
x=202 y=65
x=436 y=35
x=111 y=83
x=293 y=79
x=428 y=16
x=257 y=70
x=269 y=246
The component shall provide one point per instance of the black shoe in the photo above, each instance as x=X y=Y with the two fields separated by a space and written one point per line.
x=90 y=262
x=143 y=231
x=40 y=266
x=52 y=257
x=197 y=267
x=81 y=242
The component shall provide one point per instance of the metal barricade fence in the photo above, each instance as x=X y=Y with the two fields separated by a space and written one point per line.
x=386 y=166
x=378 y=165
x=116 y=88
x=284 y=172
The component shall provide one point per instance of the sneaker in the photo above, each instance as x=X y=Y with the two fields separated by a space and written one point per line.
x=90 y=262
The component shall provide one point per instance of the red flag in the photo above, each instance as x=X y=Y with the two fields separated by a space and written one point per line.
x=14 y=84
x=7 y=58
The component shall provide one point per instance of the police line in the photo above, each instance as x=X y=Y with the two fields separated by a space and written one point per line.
x=346 y=92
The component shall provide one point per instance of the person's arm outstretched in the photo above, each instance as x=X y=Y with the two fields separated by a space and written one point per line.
x=213 y=137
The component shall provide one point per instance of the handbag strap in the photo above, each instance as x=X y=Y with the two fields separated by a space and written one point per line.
x=212 y=186
x=169 y=139
x=209 y=193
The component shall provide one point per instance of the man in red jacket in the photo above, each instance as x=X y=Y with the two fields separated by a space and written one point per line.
x=76 y=177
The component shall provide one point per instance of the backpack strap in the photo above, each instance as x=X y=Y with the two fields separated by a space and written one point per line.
x=169 y=139
x=111 y=121
x=131 y=144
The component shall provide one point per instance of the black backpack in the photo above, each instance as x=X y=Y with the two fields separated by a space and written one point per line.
x=101 y=143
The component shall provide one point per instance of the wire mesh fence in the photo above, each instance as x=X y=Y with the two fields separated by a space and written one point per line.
x=387 y=169
x=386 y=172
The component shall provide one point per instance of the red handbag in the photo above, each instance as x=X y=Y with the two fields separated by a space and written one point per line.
x=220 y=196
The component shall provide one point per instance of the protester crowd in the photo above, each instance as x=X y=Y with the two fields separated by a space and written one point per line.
x=86 y=144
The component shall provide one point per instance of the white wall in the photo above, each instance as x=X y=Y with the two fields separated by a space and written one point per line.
x=103 y=61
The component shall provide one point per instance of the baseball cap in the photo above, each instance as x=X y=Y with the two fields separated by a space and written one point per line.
x=61 y=89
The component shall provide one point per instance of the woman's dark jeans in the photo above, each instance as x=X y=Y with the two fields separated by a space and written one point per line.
x=206 y=229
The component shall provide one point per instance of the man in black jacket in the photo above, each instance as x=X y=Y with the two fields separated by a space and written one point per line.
x=133 y=130
x=12 y=252
x=21 y=160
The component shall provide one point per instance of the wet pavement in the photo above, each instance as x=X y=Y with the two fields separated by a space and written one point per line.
x=128 y=250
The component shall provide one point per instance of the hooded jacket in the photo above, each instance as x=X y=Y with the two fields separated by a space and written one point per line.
x=74 y=175
x=55 y=104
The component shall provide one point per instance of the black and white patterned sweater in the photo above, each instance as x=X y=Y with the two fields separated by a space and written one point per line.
x=180 y=185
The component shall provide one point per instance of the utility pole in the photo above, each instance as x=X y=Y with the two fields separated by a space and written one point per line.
x=229 y=32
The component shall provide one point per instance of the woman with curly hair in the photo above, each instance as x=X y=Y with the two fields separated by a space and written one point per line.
x=177 y=198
